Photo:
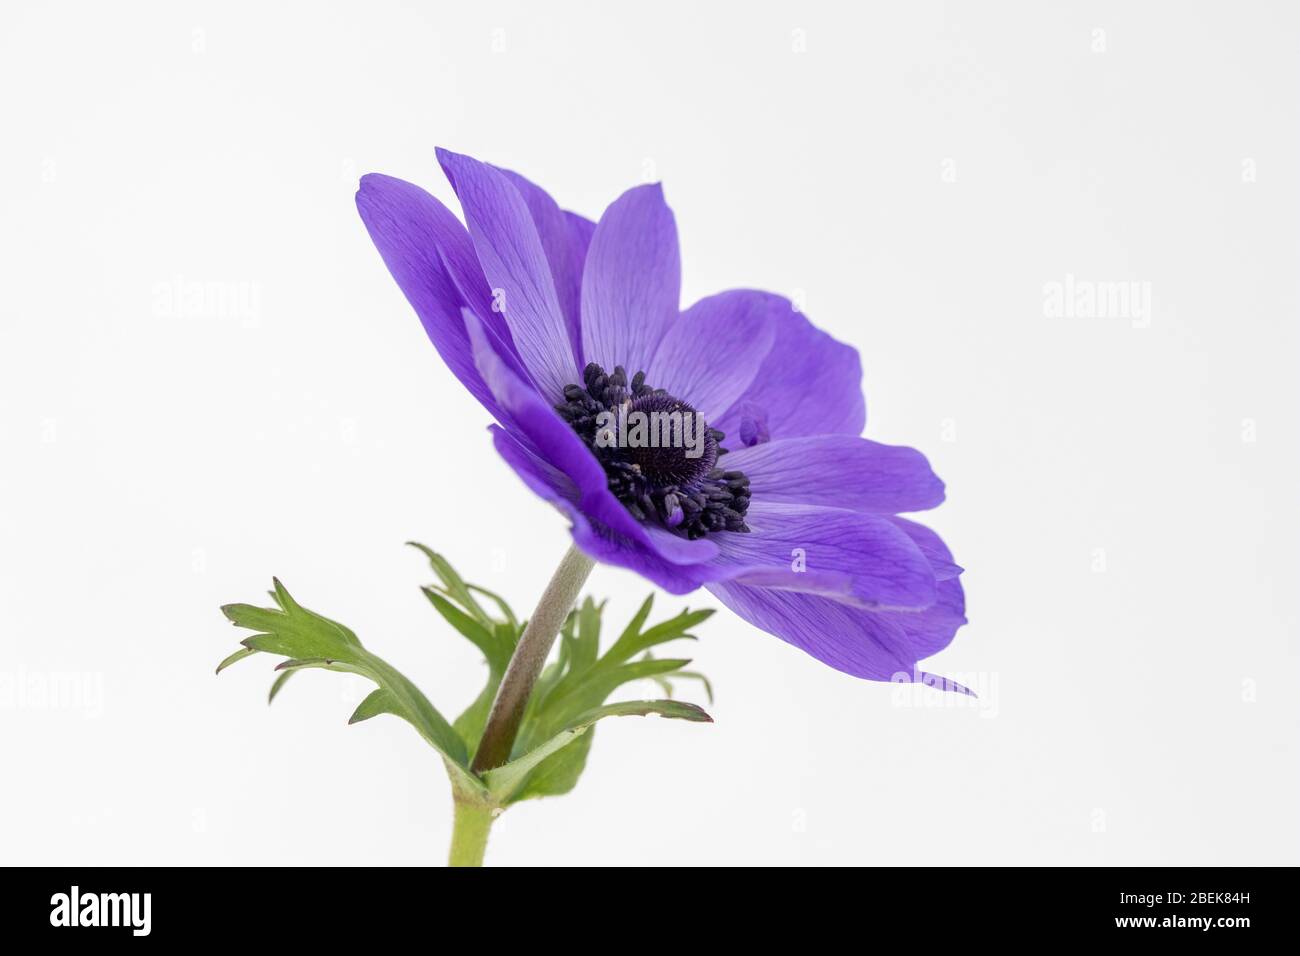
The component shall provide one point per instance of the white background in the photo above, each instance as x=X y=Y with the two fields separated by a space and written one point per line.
x=1123 y=497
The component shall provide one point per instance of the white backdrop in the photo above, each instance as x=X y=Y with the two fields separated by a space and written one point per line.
x=207 y=377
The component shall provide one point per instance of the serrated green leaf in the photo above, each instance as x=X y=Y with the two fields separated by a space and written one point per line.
x=696 y=675
x=590 y=691
x=378 y=701
x=587 y=645
x=633 y=628
x=505 y=782
x=501 y=604
x=667 y=685
x=454 y=583
x=565 y=690
x=579 y=651
x=559 y=773
x=309 y=640
x=239 y=655
x=328 y=663
x=633 y=642
x=484 y=637
x=280 y=681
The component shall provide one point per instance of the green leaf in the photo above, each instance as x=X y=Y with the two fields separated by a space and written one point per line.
x=696 y=675
x=505 y=782
x=239 y=655
x=309 y=640
x=633 y=641
x=565 y=703
x=566 y=690
x=484 y=637
x=280 y=681
x=455 y=585
x=378 y=701
x=633 y=628
x=501 y=604
x=587 y=645
x=495 y=639
x=559 y=773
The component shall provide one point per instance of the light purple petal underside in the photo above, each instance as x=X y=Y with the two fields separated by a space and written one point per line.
x=517 y=269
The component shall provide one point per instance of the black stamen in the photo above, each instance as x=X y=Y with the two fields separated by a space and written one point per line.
x=684 y=492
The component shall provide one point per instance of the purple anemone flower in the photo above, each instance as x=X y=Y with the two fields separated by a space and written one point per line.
x=561 y=327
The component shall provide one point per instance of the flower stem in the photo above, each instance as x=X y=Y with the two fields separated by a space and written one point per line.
x=526 y=664
x=469 y=833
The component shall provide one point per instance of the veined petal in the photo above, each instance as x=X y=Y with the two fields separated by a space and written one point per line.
x=848 y=638
x=933 y=629
x=810 y=384
x=840 y=471
x=864 y=559
x=431 y=257
x=514 y=261
x=712 y=353
x=631 y=284
x=565 y=237
x=932 y=546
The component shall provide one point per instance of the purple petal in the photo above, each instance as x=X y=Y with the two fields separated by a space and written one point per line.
x=564 y=237
x=861 y=558
x=839 y=471
x=517 y=269
x=430 y=255
x=590 y=536
x=631 y=285
x=850 y=639
x=932 y=546
x=809 y=385
x=581 y=229
x=712 y=353
x=933 y=629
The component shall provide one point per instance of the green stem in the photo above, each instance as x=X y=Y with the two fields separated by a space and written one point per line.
x=469 y=833
x=530 y=656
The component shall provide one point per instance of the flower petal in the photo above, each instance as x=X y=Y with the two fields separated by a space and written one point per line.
x=631 y=284
x=712 y=353
x=517 y=269
x=861 y=558
x=933 y=629
x=564 y=237
x=850 y=639
x=431 y=256
x=840 y=471
x=590 y=536
x=810 y=384
x=932 y=546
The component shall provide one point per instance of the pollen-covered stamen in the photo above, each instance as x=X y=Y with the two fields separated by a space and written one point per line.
x=658 y=453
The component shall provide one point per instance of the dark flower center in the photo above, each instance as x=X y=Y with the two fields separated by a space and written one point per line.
x=659 y=454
